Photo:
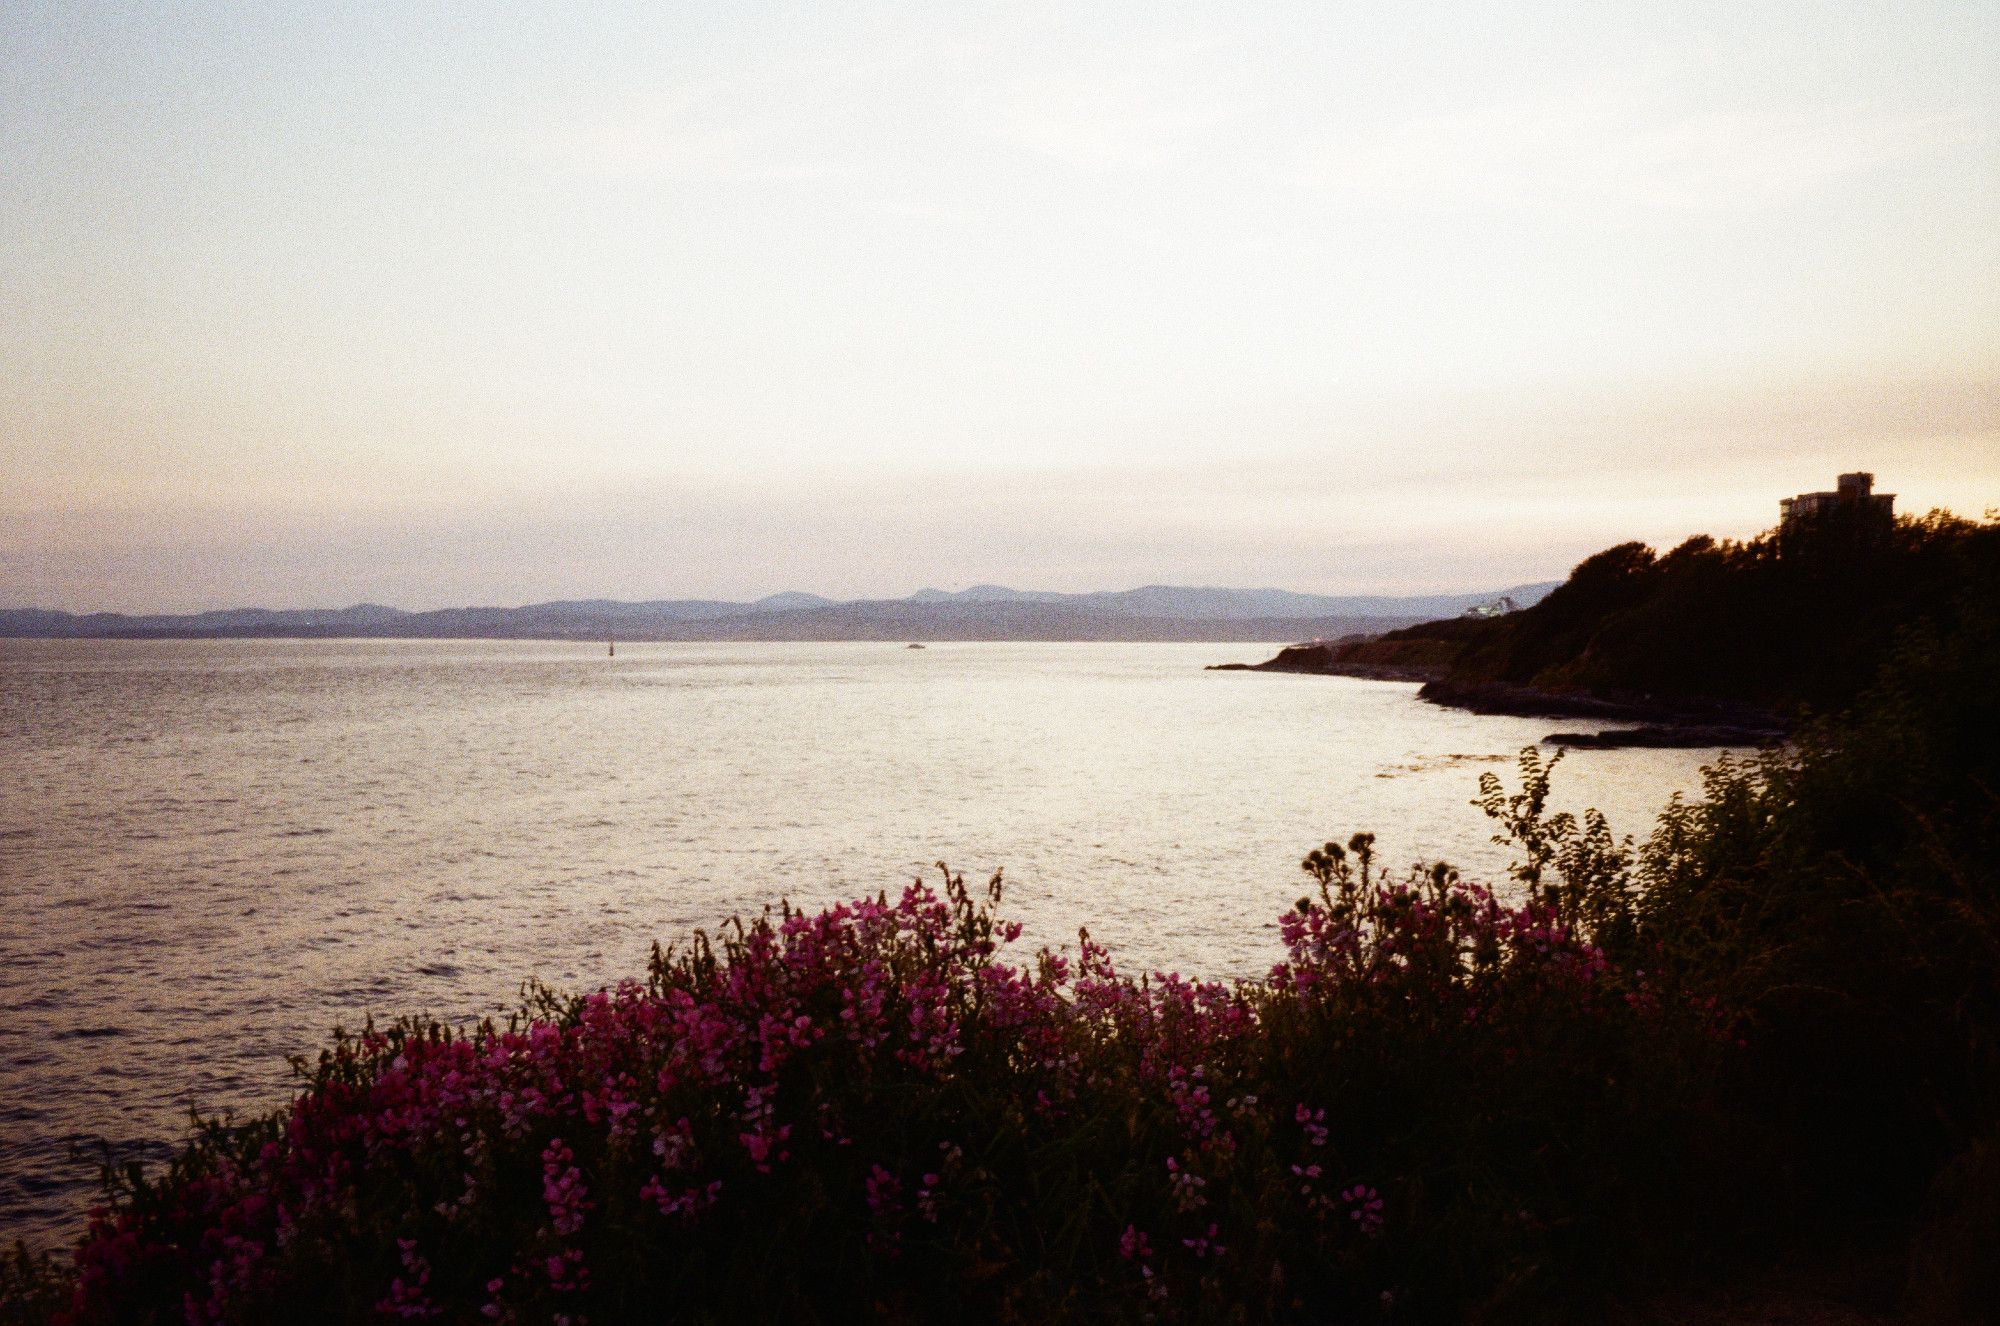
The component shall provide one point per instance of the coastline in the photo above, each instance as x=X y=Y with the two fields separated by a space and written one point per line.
x=1658 y=723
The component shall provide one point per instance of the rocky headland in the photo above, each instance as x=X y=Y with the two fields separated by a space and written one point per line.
x=1657 y=722
x=1714 y=643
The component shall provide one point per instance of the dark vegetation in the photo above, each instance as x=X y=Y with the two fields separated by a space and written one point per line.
x=1796 y=621
x=1773 y=1028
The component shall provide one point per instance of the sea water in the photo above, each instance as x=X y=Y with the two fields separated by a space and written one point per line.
x=213 y=852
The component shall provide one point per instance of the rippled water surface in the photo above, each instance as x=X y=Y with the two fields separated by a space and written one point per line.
x=212 y=852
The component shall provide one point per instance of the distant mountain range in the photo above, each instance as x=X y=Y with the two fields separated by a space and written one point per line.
x=983 y=612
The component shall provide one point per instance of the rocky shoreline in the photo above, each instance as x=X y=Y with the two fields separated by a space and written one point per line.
x=1334 y=658
x=1659 y=723
x=1370 y=671
x=1666 y=737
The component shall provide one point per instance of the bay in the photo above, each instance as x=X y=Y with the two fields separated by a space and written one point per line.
x=212 y=852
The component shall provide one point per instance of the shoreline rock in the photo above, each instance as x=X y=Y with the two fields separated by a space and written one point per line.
x=1666 y=737
x=1481 y=697
x=1323 y=658
x=1366 y=671
x=1662 y=722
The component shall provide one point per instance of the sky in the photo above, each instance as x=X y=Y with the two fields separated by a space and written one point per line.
x=307 y=305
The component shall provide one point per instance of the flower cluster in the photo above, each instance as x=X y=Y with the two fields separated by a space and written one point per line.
x=869 y=1103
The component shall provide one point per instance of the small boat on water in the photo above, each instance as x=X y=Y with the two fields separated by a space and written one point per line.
x=913 y=645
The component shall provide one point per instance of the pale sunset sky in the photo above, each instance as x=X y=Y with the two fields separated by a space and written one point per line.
x=310 y=304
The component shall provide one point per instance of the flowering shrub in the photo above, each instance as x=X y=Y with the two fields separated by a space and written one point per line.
x=1779 y=1017
x=873 y=1109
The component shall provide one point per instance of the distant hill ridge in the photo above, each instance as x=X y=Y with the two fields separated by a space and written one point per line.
x=982 y=612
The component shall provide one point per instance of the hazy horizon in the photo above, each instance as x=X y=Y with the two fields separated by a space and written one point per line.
x=1031 y=590
x=525 y=304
